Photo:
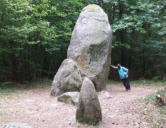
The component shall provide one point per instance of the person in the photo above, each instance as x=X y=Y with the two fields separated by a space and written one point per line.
x=123 y=74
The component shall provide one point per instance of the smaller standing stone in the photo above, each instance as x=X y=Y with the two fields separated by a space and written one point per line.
x=67 y=79
x=88 y=110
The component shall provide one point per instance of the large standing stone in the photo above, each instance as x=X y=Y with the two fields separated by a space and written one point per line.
x=90 y=45
x=68 y=78
x=88 y=110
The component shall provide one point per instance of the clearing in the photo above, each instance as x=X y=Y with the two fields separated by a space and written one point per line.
x=35 y=106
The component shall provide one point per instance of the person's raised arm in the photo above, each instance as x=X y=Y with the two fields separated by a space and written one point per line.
x=112 y=66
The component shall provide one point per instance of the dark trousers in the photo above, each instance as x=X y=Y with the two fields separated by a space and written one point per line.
x=126 y=83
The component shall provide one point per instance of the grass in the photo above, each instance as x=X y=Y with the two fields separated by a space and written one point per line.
x=112 y=82
x=152 y=98
x=139 y=82
x=8 y=87
x=41 y=81
x=154 y=113
x=147 y=82
x=13 y=87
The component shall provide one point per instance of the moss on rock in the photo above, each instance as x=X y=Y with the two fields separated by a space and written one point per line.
x=92 y=7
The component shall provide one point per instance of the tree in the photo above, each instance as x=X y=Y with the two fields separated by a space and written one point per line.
x=34 y=34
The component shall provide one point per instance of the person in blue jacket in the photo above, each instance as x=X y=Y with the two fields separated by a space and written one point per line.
x=123 y=74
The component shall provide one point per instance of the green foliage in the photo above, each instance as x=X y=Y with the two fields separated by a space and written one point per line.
x=138 y=35
x=34 y=36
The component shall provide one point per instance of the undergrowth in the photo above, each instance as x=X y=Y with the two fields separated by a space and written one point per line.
x=147 y=82
x=139 y=82
x=155 y=113
x=13 y=87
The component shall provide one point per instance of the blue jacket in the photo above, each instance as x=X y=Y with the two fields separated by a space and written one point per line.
x=122 y=72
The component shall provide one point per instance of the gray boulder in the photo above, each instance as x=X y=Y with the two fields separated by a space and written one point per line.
x=69 y=98
x=104 y=95
x=90 y=45
x=15 y=125
x=88 y=109
x=68 y=78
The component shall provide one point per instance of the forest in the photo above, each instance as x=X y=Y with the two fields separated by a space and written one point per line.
x=35 y=34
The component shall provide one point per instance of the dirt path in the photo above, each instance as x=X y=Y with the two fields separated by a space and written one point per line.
x=36 y=108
